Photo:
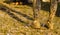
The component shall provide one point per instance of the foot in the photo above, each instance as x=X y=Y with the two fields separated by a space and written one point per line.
x=51 y=26
x=17 y=3
x=36 y=24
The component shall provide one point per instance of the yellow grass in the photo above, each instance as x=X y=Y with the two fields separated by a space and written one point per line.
x=10 y=23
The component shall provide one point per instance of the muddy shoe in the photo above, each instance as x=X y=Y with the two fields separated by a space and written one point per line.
x=36 y=24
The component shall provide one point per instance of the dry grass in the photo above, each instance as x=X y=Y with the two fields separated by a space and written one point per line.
x=13 y=23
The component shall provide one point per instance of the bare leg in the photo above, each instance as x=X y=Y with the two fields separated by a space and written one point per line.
x=53 y=9
x=36 y=9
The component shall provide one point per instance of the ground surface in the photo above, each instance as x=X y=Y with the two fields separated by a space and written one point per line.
x=14 y=20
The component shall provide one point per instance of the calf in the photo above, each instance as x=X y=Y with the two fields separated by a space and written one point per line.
x=37 y=8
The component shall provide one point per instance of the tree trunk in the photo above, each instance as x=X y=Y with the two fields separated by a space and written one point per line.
x=53 y=9
x=36 y=9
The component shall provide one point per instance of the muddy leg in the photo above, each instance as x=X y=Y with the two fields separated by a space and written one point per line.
x=36 y=9
x=53 y=9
